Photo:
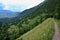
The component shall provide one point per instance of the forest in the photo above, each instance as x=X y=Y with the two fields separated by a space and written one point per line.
x=48 y=9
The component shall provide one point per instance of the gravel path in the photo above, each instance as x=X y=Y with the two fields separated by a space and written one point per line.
x=56 y=35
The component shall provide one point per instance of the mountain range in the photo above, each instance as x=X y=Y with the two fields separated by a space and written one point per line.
x=11 y=17
x=7 y=14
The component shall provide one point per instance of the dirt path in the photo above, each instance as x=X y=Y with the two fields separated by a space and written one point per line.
x=56 y=35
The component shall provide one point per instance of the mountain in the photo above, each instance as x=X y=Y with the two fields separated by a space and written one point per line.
x=28 y=11
x=12 y=17
x=7 y=14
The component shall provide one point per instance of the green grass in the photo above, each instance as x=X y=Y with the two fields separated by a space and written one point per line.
x=43 y=31
x=58 y=22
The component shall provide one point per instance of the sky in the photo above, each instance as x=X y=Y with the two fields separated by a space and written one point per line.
x=18 y=5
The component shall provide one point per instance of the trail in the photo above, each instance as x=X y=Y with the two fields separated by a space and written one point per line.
x=56 y=35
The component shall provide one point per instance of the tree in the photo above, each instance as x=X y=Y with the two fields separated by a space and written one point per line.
x=58 y=9
x=3 y=31
x=13 y=32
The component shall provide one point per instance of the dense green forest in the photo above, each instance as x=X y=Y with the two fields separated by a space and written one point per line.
x=48 y=9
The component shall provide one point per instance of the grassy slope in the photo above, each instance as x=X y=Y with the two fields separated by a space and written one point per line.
x=43 y=31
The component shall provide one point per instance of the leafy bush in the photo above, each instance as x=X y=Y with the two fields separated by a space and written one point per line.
x=13 y=32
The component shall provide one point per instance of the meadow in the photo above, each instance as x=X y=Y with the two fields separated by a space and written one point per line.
x=43 y=31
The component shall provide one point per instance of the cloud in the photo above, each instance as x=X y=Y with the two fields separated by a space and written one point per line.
x=19 y=4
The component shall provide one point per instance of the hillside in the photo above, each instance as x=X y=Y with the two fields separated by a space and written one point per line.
x=36 y=22
x=40 y=32
x=10 y=17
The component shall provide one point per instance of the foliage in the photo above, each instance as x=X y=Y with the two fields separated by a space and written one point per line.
x=13 y=32
x=16 y=28
x=58 y=22
x=3 y=31
x=40 y=32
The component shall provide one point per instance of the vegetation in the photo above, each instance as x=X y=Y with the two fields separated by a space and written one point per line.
x=18 y=27
x=13 y=32
x=58 y=22
x=24 y=25
x=3 y=31
x=40 y=32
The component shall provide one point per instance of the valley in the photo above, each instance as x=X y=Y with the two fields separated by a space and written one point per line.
x=41 y=22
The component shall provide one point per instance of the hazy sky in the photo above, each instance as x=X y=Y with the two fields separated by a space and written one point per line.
x=18 y=5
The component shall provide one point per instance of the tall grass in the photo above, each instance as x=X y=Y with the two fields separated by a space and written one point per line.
x=58 y=22
x=43 y=31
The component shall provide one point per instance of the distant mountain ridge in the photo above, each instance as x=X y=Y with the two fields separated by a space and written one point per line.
x=11 y=17
x=7 y=14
